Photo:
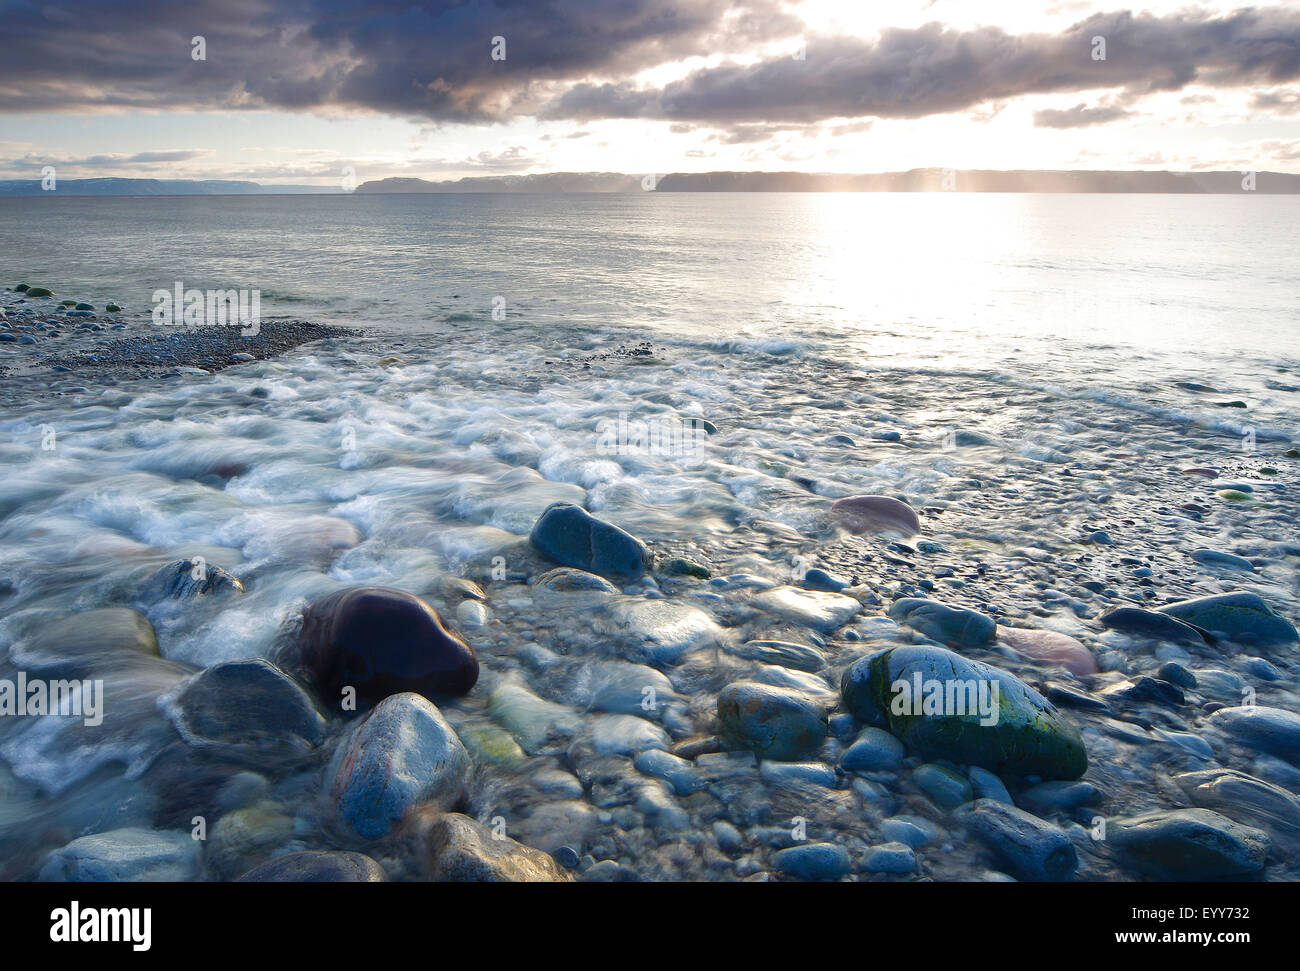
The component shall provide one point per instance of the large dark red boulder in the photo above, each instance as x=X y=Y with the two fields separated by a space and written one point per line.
x=382 y=641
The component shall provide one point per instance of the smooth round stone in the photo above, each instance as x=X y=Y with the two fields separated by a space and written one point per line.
x=88 y=636
x=623 y=688
x=1028 y=847
x=946 y=788
x=561 y=784
x=471 y=613
x=402 y=755
x=677 y=772
x=1029 y=736
x=317 y=866
x=382 y=641
x=911 y=831
x=798 y=773
x=658 y=631
x=679 y=566
x=1246 y=798
x=1272 y=730
x=1217 y=559
x=125 y=855
x=777 y=723
x=246 y=836
x=956 y=627
x=1175 y=673
x=189 y=580
x=1220 y=685
x=1050 y=648
x=988 y=786
x=889 y=858
x=1151 y=624
x=248 y=711
x=819 y=579
x=876 y=514
x=626 y=735
x=1188 y=844
x=1057 y=796
x=1263 y=669
x=570 y=535
x=813 y=861
x=568 y=580
x=462 y=850
x=821 y=611
x=874 y=749
x=567 y=857
x=783 y=654
x=1243 y=618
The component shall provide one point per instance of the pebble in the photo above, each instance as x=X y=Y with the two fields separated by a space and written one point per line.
x=894 y=858
x=813 y=861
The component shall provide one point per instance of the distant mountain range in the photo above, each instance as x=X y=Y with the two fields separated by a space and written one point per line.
x=149 y=187
x=916 y=180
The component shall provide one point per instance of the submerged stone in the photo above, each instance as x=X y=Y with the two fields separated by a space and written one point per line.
x=957 y=627
x=461 y=850
x=1241 y=617
x=570 y=535
x=876 y=514
x=188 y=579
x=1188 y=844
x=777 y=723
x=1028 y=847
x=1050 y=648
x=930 y=698
x=1272 y=730
x=1149 y=623
x=317 y=866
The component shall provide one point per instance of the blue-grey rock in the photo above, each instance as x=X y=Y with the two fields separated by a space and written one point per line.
x=784 y=654
x=1188 y=844
x=798 y=774
x=1217 y=559
x=571 y=536
x=317 y=866
x=1241 y=617
x=190 y=579
x=125 y=855
x=874 y=749
x=461 y=850
x=946 y=788
x=1262 y=668
x=404 y=754
x=1028 y=847
x=813 y=861
x=956 y=627
x=1271 y=730
x=889 y=858
x=776 y=723
x=914 y=831
x=1151 y=624
x=821 y=611
x=819 y=579
x=677 y=772
x=1060 y=797
x=248 y=712
x=1244 y=798
x=986 y=785
x=1175 y=673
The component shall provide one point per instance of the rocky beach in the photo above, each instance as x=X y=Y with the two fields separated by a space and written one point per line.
x=514 y=605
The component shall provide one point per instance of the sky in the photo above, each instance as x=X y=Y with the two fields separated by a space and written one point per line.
x=326 y=92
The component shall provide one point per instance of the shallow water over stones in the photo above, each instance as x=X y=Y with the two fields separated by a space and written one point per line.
x=600 y=728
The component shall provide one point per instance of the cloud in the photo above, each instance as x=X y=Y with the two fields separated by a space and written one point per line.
x=577 y=60
x=912 y=73
x=1080 y=116
x=32 y=160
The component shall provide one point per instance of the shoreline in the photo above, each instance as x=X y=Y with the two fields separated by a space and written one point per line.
x=50 y=349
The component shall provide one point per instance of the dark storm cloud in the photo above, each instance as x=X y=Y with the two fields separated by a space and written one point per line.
x=933 y=69
x=431 y=60
x=573 y=58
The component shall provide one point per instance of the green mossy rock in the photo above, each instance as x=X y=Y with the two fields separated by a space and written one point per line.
x=1029 y=737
